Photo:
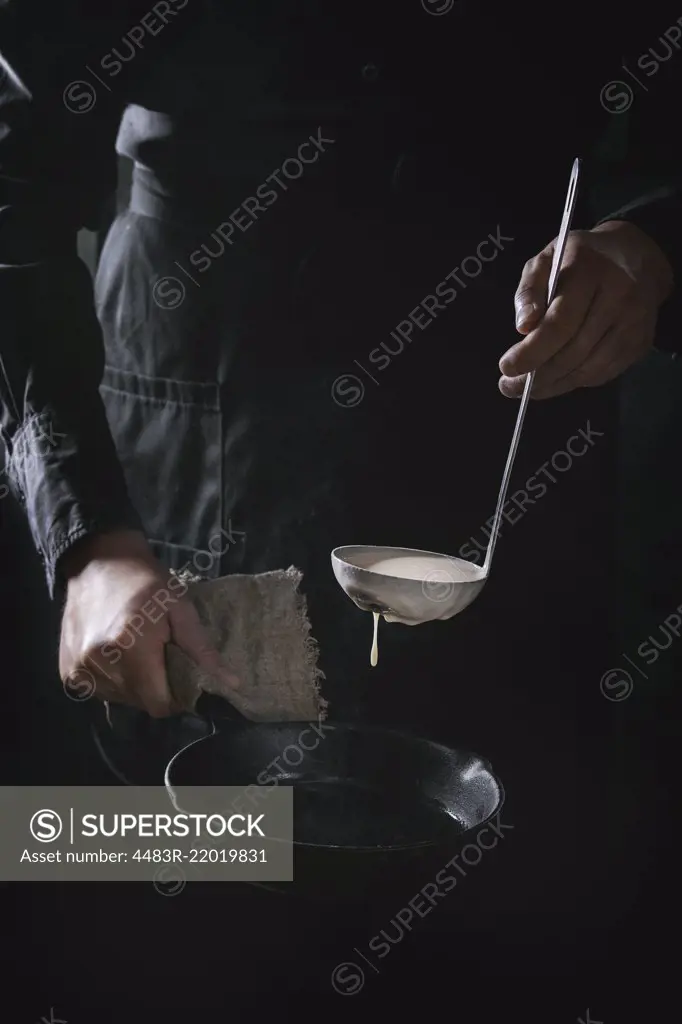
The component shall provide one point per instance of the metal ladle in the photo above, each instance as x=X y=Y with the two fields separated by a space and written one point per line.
x=440 y=592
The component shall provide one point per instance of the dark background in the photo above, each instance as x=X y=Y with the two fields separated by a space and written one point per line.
x=572 y=910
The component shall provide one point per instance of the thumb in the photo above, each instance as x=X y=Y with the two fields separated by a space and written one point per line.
x=192 y=637
x=531 y=295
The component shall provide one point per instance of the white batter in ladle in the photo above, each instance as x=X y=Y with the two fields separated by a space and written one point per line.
x=411 y=586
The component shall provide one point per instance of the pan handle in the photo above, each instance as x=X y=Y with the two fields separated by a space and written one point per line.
x=214 y=709
x=211 y=713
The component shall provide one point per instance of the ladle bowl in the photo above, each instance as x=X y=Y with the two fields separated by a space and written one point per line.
x=442 y=592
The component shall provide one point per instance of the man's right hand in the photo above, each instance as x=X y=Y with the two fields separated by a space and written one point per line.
x=120 y=613
x=612 y=284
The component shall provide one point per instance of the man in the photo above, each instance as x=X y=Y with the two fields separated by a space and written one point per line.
x=191 y=297
x=224 y=298
x=235 y=308
x=229 y=338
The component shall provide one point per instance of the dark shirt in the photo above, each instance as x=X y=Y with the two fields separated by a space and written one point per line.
x=207 y=99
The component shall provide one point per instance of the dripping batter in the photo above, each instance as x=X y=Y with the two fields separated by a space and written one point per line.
x=374 y=655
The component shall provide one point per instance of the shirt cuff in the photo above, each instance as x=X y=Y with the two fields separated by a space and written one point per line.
x=70 y=485
x=659 y=215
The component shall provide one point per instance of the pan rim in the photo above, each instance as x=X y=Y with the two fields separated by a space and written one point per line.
x=171 y=788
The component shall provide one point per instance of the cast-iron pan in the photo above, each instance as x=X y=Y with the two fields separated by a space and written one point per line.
x=362 y=794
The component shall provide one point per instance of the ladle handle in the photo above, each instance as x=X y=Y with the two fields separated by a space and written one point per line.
x=559 y=250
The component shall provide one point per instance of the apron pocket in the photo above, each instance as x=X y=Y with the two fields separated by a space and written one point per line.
x=168 y=435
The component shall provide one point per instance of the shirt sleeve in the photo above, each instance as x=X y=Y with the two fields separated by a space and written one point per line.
x=57 y=167
x=659 y=215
